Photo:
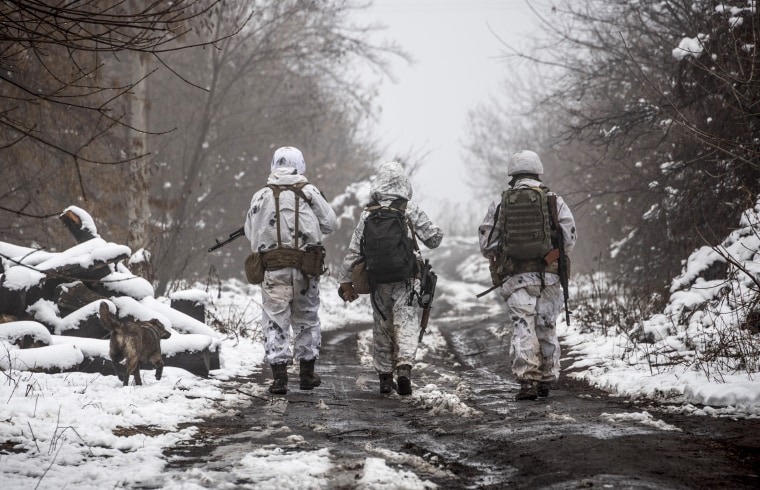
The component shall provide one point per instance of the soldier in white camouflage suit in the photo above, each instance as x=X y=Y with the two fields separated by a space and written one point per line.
x=289 y=298
x=396 y=324
x=534 y=299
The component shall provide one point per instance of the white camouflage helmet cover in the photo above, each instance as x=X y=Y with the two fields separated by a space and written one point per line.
x=391 y=182
x=290 y=157
x=525 y=162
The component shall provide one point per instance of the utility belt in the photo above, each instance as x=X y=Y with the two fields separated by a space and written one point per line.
x=500 y=270
x=311 y=262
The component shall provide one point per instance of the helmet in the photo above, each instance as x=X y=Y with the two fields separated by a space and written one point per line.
x=291 y=157
x=525 y=162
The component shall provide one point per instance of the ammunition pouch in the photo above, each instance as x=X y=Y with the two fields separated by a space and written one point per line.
x=313 y=261
x=310 y=262
x=496 y=277
x=360 y=278
x=254 y=268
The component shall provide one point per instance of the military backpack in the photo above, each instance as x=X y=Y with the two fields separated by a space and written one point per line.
x=387 y=244
x=525 y=222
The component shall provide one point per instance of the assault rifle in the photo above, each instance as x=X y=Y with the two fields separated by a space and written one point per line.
x=562 y=259
x=428 y=279
x=235 y=234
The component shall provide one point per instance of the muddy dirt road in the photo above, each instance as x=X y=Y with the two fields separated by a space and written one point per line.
x=462 y=429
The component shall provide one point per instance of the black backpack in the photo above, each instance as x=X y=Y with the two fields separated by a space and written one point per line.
x=387 y=246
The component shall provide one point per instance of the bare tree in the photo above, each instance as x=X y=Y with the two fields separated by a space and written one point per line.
x=653 y=110
x=199 y=148
x=289 y=78
x=64 y=88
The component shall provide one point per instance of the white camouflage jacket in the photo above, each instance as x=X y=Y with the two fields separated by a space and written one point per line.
x=391 y=183
x=316 y=218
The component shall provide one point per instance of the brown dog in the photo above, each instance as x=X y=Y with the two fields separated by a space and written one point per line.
x=135 y=342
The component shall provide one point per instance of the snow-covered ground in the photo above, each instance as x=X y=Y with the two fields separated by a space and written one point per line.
x=702 y=353
x=77 y=430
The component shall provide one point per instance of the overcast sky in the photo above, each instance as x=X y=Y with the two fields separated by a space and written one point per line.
x=458 y=63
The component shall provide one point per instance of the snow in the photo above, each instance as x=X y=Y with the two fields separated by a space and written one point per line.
x=12 y=254
x=87 y=431
x=46 y=312
x=15 y=330
x=123 y=283
x=20 y=278
x=690 y=46
x=64 y=356
x=194 y=295
x=85 y=254
x=176 y=319
x=643 y=418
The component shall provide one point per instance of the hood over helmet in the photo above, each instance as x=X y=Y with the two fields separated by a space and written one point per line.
x=391 y=182
x=525 y=162
x=289 y=157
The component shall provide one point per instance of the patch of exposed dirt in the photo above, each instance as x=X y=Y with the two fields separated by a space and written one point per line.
x=9 y=447
x=138 y=429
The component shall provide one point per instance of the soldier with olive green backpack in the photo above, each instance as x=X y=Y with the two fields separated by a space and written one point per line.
x=526 y=236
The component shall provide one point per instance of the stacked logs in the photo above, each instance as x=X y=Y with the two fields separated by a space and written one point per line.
x=50 y=301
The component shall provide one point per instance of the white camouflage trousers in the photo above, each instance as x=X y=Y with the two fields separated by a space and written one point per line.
x=288 y=300
x=535 y=347
x=395 y=337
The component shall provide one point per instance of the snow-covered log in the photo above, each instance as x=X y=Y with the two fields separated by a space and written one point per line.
x=190 y=302
x=49 y=359
x=27 y=279
x=83 y=322
x=79 y=223
x=25 y=334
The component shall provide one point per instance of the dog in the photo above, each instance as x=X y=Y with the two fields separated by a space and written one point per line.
x=134 y=341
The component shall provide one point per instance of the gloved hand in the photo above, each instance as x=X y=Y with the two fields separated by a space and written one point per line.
x=346 y=292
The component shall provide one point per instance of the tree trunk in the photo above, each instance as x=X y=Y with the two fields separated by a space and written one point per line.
x=138 y=213
x=139 y=171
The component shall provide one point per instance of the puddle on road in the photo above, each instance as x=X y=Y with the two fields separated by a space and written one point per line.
x=609 y=481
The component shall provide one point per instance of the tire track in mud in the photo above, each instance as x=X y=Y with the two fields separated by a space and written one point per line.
x=462 y=428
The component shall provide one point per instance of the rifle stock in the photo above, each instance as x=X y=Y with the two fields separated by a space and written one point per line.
x=234 y=235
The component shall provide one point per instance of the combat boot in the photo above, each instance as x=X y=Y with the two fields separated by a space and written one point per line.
x=527 y=391
x=405 y=379
x=309 y=380
x=280 y=384
x=543 y=388
x=386 y=382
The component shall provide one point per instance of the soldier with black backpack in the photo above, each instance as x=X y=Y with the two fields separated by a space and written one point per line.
x=527 y=235
x=385 y=243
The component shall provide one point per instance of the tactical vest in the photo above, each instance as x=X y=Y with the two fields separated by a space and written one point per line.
x=524 y=220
